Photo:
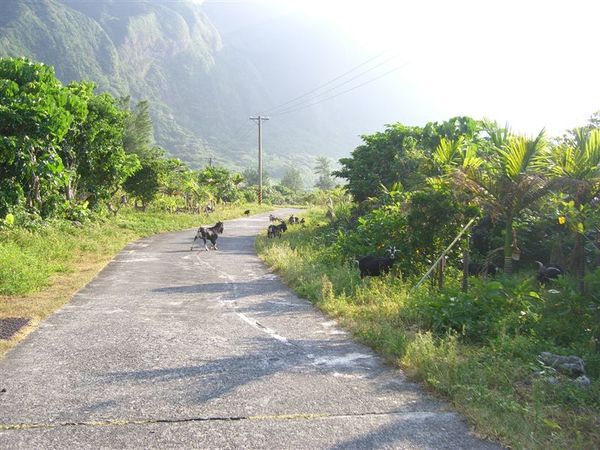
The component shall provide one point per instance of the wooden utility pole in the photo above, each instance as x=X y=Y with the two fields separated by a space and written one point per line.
x=259 y=119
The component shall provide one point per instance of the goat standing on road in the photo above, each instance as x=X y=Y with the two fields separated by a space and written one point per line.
x=210 y=233
x=374 y=266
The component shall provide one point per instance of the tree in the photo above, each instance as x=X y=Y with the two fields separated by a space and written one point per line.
x=145 y=183
x=94 y=151
x=251 y=177
x=576 y=163
x=36 y=112
x=508 y=181
x=385 y=158
x=139 y=132
x=292 y=179
x=221 y=182
x=323 y=170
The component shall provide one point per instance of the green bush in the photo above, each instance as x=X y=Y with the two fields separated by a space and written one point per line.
x=489 y=309
x=412 y=224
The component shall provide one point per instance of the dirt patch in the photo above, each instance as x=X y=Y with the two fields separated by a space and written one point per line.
x=11 y=326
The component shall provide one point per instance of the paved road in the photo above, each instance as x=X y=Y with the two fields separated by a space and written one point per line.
x=169 y=348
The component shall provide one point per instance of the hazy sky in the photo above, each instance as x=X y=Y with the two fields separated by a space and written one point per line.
x=532 y=64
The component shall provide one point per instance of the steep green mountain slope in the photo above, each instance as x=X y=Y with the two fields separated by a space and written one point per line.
x=202 y=84
x=74 y=43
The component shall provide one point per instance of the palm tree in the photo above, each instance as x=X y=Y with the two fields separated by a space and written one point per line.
x=577 y=166
x=508 y=181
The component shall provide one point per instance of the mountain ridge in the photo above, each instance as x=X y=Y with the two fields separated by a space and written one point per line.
x=202 y=86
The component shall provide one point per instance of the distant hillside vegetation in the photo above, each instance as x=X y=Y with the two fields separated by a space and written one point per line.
x=202 y=84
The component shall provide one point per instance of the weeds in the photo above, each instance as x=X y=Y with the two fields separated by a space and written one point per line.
x=478 y=350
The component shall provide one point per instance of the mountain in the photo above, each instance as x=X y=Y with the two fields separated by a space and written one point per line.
x=205 y=68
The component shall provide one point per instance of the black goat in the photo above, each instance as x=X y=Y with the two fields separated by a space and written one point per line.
x=547 y=273
x=247 y=212
x=276 y=230
x=374 y=266
x=210 y=233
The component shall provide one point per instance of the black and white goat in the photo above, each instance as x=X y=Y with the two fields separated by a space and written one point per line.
x=210 y=233
x=276 y=230
x=295 y=220
x=373 y=266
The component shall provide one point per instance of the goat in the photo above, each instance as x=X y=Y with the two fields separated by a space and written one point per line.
x=374 y=266
x=546 y=273
x=273 y=218
x=209 y=209
x=276 y=230
x=295 y=220
x=210 y=233
x=247 y=212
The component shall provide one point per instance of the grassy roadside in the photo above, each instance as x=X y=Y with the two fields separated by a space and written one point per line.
x=492 y=384
x=41 y=270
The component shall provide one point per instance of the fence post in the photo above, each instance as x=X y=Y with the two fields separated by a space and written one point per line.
x=467 y=226
x=465 y=280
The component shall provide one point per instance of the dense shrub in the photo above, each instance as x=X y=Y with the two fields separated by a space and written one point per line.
x=420 y=225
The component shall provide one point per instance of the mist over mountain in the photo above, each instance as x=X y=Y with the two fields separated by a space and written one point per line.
x=205 y=68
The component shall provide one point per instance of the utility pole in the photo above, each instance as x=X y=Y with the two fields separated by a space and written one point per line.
x=259 y=120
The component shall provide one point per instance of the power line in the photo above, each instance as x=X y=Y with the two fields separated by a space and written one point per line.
x=339 y=85
x=348 y=72
x=308 y=105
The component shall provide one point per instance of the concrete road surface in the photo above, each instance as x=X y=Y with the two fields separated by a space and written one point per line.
x=172 y=348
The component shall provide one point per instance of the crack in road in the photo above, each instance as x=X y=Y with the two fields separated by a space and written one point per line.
x=422 y=415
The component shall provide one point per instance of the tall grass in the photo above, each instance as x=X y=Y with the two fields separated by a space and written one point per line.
x=491 y=380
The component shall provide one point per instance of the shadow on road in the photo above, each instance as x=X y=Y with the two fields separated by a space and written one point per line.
x=219 y=377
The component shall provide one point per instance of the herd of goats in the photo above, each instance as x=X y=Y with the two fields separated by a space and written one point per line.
x=369 y=265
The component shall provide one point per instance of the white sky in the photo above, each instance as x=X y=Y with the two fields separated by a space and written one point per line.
x=530 y=63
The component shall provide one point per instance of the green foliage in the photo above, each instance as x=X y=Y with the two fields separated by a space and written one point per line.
x=222 y=183
x=292 y=179
x=384 y=159
x=59 y=143
x=479 y=349
x=251 y=177
x=98 y=156
x=138 y=134
x=36 y=112
x=145 y=183
x=413 y=225
x=488 y=310
x=323 y=170
x=402 y=154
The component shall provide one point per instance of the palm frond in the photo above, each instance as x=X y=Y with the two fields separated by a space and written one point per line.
x=519 y=154
x=448 y=152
